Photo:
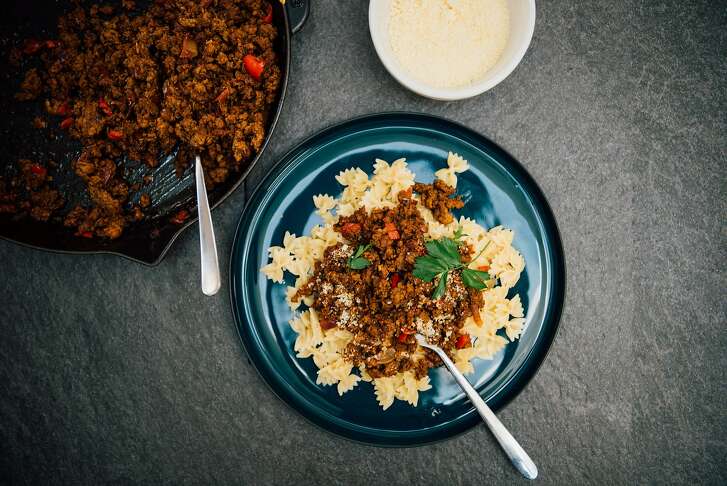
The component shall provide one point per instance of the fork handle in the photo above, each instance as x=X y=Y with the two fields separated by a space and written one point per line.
x=517 y=454
x=209 y=266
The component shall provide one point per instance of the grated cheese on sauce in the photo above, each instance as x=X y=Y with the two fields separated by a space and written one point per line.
x=344 y=251
x=424 y=328
x=448 y=43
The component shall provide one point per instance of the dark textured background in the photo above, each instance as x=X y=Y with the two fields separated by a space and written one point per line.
x=111 y=372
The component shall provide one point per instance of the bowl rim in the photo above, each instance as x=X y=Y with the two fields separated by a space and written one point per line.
x=448 y=94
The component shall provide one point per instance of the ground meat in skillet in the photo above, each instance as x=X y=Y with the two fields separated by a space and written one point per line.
x=141 y=83
x=384 y=304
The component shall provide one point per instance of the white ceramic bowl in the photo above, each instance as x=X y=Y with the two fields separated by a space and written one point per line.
x=522 y=24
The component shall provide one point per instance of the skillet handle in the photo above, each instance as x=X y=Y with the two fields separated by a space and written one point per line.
x=298 y=11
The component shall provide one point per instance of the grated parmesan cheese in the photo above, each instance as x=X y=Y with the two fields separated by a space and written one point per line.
x=448 y=43
x=343 y=251
x=424 y=328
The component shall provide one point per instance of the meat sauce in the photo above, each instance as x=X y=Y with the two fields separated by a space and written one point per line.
x=384 y=305
x=197 y=76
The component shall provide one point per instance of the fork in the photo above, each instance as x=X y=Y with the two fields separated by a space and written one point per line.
x=517 y=455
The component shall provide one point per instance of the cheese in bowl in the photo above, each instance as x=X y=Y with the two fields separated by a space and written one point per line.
x=448 y=43
x=451 y=49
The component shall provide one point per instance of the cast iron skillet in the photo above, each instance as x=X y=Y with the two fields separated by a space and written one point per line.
x=147 y=241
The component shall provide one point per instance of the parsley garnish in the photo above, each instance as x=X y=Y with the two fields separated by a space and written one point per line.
x=356 y=261
x=442 y=257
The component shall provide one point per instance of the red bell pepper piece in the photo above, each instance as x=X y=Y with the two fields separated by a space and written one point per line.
x=463 y=341
x=350 y=230
x=180 y=217
x=32 y=46
x=254 y=66
x=268 y=18
x=63 y=110
x=115 y=134
x=405 y=333
x=104 y=106
x=38 y=170
x=391 y=231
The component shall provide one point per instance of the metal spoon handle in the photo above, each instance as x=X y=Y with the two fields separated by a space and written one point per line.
x=210 y=267
x=517 y=455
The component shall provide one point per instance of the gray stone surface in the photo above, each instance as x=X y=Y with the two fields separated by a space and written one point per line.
x=112 y=372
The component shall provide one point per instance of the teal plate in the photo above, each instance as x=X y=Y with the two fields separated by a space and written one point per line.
x=497 y=190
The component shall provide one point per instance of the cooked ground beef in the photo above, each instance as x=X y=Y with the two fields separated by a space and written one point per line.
x=383 y=305
x=436 y=197
x=41 y=201
x=195 y=75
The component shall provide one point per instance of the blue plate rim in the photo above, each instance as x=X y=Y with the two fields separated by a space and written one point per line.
x=530 y=365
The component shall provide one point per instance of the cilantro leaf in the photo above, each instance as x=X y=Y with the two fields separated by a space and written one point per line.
x=439 y=291
x=360 y=250
x=356 y=261
x=442 y=257
x=444 y=249
x=359 y=263
x=425 y=275
x=427 y=267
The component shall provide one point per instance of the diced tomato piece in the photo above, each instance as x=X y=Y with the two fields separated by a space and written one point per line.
x=268 y=19
x=66 y=122
x=180 y=217
x=349 y=230
x=391 y=231
x=38 y=170
x=115 y=134
x=326 y=324
x=395 y=279
x=104 y=106
x=484 y=268
x=463 y=341
x=254 y=66
x=32 y=46
x=87 y=234
x=402 y=337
